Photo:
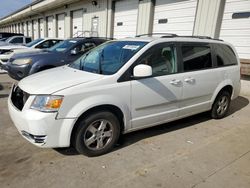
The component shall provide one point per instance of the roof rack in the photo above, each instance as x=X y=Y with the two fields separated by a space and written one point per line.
x=167 y=35
x=163 y=35
x=200 y=37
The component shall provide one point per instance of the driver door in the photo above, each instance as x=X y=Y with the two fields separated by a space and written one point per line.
x=156 y=99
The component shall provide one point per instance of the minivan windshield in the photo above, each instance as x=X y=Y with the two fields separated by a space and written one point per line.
x=62 y=46
x=34 y=42
x=109 y=57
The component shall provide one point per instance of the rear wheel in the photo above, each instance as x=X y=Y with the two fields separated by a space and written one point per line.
x=221 y=105
x=97 y=134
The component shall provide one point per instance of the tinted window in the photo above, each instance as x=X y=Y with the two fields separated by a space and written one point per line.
x=18 y=40
x=34 y=42
x=225 y=55
x=63 y=46
x=162 y=59
x=28 y=40
x=196 y=57
x=47 y=44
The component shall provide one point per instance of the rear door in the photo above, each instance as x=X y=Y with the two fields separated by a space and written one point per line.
x=199 y=79
x=156 y=99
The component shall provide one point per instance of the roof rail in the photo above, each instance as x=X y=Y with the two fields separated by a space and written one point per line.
x=199 y=37
x=163 y=35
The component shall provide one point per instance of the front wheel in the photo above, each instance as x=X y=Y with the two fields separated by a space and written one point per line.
x=97 y=134
x=221 y=105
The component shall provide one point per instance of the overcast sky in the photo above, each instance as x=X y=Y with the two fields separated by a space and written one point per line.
x=8 y=6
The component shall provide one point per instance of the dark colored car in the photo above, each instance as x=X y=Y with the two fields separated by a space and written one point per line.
x=24 y=64
x=7 y=35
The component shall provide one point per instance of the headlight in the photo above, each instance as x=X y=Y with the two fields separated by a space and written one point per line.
x=22 y=61
x=47 y=103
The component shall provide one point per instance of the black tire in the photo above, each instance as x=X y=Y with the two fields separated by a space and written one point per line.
x=220 y=109
x=91 y=134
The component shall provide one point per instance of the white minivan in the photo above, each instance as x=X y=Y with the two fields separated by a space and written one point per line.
x=122 y=86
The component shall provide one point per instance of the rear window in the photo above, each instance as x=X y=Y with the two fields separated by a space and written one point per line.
x=224 y=55
x=196 y=57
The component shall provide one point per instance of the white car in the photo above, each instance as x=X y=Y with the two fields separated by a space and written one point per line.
x=6 y=52
x=123 y=86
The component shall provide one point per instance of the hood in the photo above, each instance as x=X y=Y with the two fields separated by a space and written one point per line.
x=56 y=79
x=3 y=43
x=34 y=53
x=24 y=50
x=12 y=47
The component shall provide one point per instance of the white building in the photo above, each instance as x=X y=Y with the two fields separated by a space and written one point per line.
x=225 y=19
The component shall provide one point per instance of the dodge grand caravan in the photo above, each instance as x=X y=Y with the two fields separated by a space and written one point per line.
x=122 y=86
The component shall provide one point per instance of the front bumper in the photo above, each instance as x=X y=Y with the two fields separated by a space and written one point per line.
x=41 y=129
x=17 y=72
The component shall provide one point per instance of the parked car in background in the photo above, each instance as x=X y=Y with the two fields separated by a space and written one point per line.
x=123 y=86
x=16 y=40
x=6 y=52
x=7 y=35
x=24 y=64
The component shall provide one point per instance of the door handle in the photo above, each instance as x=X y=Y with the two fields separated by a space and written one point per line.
x=189 y=80
x=175 y=82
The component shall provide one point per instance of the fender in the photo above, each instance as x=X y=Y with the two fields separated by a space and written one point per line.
x=224 y=83
x=35 y=67
x=88 y=103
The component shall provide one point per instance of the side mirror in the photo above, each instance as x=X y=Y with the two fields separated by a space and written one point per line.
x=73 y=52
x=142 y=71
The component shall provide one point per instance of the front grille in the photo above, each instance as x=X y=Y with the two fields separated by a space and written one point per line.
x=19 y=97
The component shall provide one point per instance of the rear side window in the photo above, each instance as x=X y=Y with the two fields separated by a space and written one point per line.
x=17 y=40
x=28 y=40
x=196 y=57
x=224 y=55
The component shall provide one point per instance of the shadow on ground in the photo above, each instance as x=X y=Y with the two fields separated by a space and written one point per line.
x=131 y=138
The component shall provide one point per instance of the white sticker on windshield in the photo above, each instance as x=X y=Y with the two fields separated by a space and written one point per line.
x=73 y=41
x=131 y=47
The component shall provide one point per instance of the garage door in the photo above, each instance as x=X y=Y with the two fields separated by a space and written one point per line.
x=125 y=18
x=29 y=28
x=173 y=16
x=35 y=29
x=25 y=29
x=50 y=26
x=236 y=26
x=77 y=22
x=41 y=28
x=60 y=25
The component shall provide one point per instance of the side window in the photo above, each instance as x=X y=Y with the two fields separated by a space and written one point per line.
x=84 y=47
x=196 y=57
x=44 y=45
x=17 y=40
x=28 y=40
x=88 y=46
x=224 y=55
x=162 y=59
